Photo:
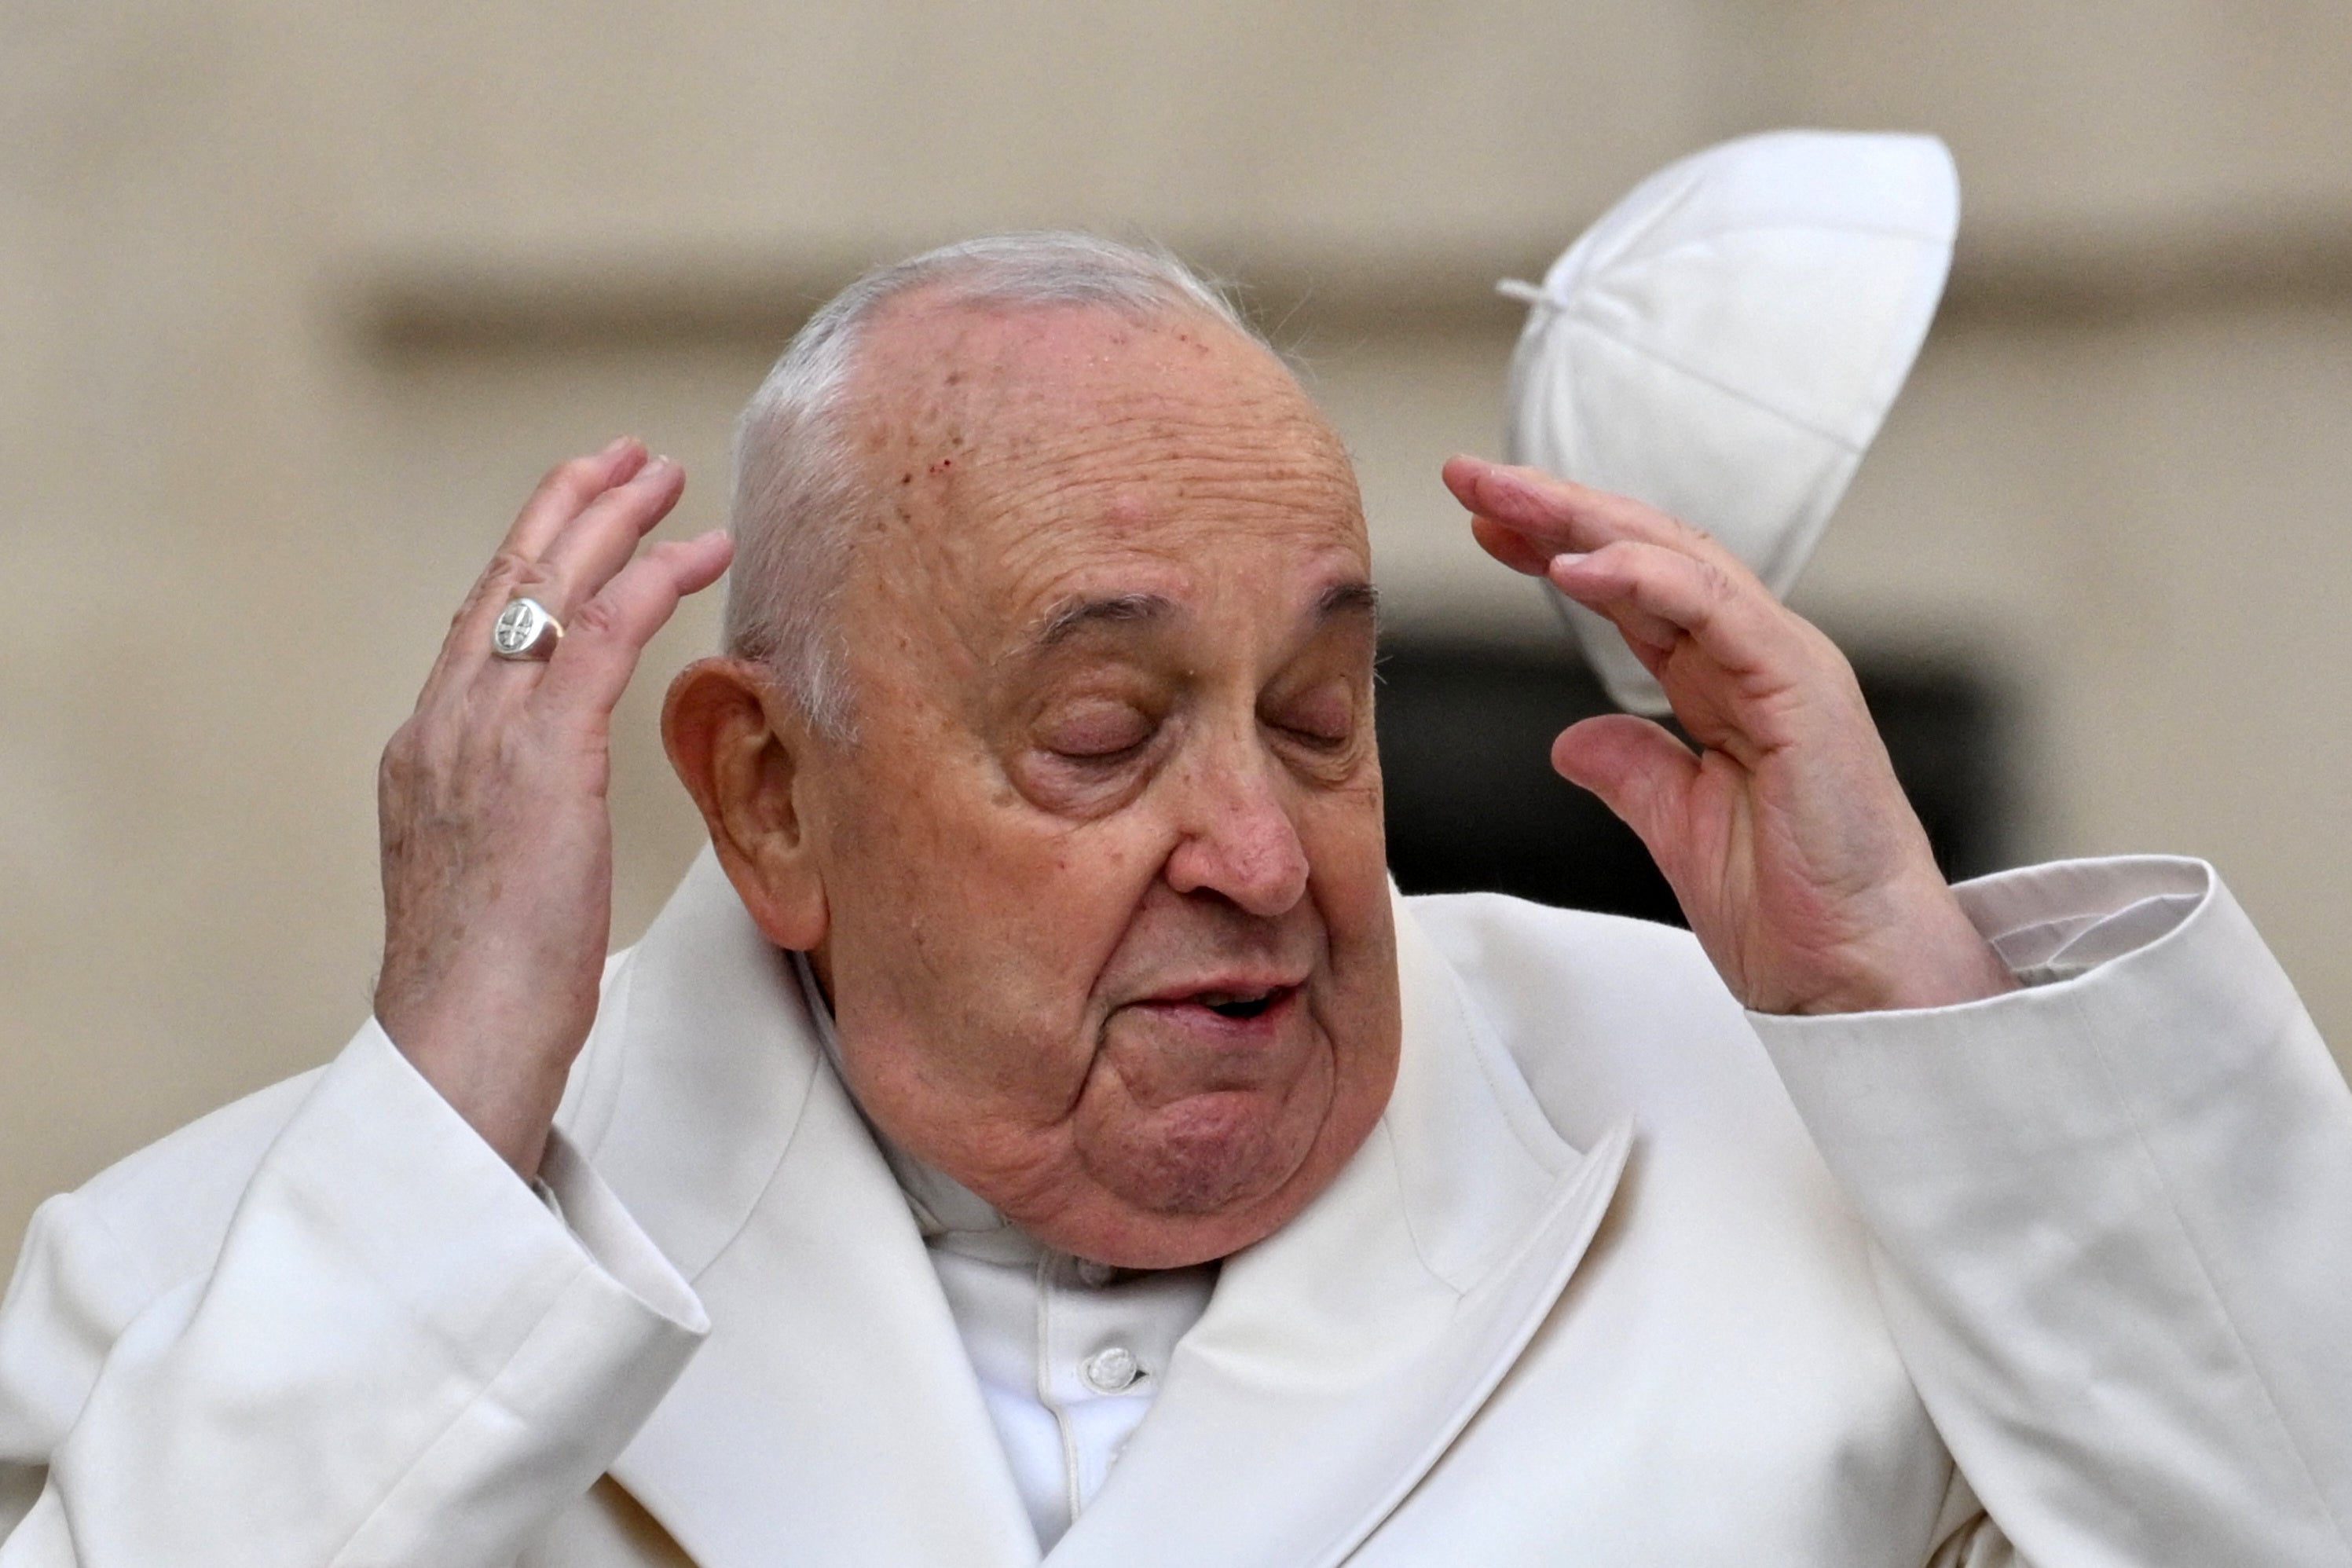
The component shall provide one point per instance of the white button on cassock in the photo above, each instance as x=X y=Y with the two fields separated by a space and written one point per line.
x=1112 y=1370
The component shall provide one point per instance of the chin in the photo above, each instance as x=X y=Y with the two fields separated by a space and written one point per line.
x=1203 y=1179
x=1127 y=1238
x=1212 y=1155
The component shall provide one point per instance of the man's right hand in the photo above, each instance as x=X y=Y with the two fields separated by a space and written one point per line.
x=498 y=842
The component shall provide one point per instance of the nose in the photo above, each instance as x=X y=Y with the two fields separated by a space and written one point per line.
x=1236 y=837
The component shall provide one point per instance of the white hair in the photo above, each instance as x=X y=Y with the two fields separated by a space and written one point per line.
x=801 y=490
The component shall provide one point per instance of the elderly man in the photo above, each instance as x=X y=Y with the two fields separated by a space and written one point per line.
x=1057 y=1136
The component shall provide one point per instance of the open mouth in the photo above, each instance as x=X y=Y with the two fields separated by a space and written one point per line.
x=1243 y=1004
x=1240 y=1000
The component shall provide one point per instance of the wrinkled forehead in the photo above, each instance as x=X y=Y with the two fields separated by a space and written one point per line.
x=1006 y=437
x=925 y=358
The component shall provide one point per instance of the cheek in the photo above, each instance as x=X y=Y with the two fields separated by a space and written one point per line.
x=1346 y=846
x=1052 y=907
x=973 y=931
x=1346 y=840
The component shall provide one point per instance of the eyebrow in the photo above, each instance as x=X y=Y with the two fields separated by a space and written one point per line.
x=1077 y=615
x=1349 y=599
x=1070 y=619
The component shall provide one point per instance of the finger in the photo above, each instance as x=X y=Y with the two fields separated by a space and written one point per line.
x=589 y=547
x=1658 y=594
x=1639 y=771
x=582 y=557
x=1651 y=636
x=601 y=647
x=1508 y=545
x=467 y=644
x=1552 y=513
x=1549 y=515
x=566 y=491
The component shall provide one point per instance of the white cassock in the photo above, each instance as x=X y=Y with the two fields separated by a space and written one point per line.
x=2070 y=1269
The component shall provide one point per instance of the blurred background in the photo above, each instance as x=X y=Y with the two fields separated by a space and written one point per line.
x=298 y=301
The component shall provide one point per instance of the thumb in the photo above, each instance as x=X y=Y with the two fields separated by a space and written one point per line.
x=1639 y=771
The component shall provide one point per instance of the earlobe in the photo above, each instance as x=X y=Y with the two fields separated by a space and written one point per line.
x=740 y=748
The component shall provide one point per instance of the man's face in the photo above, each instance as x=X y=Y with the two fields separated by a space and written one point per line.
x=1108 y=933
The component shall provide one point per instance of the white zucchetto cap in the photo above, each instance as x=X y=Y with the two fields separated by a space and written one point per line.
x=1726 y=341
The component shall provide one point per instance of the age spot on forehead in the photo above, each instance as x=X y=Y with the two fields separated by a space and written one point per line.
x=1128 y=513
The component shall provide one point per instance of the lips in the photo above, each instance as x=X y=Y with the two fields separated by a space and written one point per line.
x=1246 y=1004
x=1236 y=998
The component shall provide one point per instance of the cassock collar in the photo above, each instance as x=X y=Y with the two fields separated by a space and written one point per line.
x=833 y=1414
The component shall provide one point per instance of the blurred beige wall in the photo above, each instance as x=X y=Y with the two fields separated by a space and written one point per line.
x=298 y=301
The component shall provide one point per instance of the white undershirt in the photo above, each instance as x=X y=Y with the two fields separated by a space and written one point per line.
x=1068 y=1353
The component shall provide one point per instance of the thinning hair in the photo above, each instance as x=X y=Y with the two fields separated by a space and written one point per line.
x=801 y=490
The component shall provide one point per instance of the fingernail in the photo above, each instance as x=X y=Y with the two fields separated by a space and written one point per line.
x=1567 y=558
x=654 y=467
x=613 y=448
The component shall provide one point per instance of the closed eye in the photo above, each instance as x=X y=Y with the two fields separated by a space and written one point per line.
x=1110 y=757
x=1318 y=739
x=1320 y=715
x=1098 y=734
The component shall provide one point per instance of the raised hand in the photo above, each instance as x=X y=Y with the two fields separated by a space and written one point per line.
x=498 y=844
x=1799 y=863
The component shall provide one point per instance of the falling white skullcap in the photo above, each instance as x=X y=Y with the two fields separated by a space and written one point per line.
x=1726 y=341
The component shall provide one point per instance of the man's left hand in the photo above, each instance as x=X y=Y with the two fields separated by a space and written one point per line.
x=1799 y=864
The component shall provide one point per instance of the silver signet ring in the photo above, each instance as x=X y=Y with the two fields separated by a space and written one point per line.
x=525 y=630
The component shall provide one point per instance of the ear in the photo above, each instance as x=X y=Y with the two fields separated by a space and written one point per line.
x=743 y=751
